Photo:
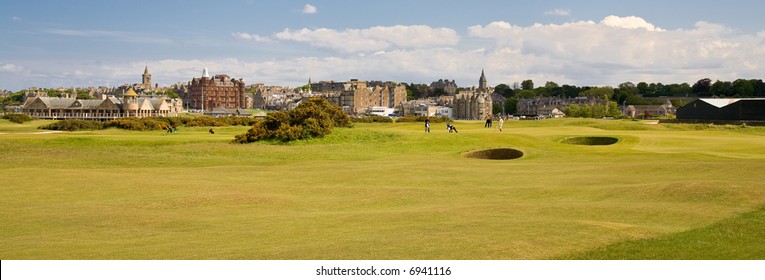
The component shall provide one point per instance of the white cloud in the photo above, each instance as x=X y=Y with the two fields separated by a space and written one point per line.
x=309 y=9
x=251 y=37
x=374 y=38
x=558 y=12
x=630 y=22
x=11 y=68
x=15 y=18
x=605 y=52
x=619 y=49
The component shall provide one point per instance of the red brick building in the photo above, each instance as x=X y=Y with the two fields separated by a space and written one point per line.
x=207 y=92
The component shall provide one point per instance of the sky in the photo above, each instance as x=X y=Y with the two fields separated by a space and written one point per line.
x=81 y=43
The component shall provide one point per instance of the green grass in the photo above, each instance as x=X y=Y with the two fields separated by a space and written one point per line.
x=385 y=191
x=737 y=238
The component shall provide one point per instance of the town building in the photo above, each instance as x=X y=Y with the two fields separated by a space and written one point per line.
x=552 y=106
x=275 y=98
x=108 y=107
x=444 y=86
x=356 y=97
x=650 y=111
x=473 y=103
x=206 y=92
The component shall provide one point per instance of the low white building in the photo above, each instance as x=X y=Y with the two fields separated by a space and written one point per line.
x=381 y=111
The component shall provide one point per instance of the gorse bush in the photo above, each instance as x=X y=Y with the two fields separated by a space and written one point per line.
x=422 y=119
x=152 y=123
x=372 y=119
x=203 y=121
x=138 y=124
x=74 y=125
x=18 y=118
x=314 y=117
x=241 y=121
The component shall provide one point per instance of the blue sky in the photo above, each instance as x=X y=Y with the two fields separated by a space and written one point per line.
x=108 y=43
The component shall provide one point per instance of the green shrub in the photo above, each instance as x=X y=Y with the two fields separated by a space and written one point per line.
x=205 y=121
x=313 y=118
x=422 y=119
x=235 y=120
x=139 y=124
x=173 y=121
x=74 y=125
x=17 y=118
x=372 y=119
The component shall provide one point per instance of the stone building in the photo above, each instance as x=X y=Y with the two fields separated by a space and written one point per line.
x=275 y=98
x=545 y=106
x=448 y=87
x=650 y=111
x=108 y=107
x=207 y=92
x=473 y=103
x=356 y=97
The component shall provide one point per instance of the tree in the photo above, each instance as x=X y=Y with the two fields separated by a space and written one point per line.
x=759 y=87
x=504 y=90
x=702 y=87
x=16 y=98
x=720 y=88
x=171 y=93
x=553 y=89
x=497 y=108
x=525 y=94
x=599 y=92
x=629 y=87
x=613 y=110
x=642 y=88
x=511 y=106
x=742 y=88
x=680 y=89
x=573 y=111
x=570 y=91
x=527 y=85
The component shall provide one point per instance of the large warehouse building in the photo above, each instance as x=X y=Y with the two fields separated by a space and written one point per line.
x=723 y=109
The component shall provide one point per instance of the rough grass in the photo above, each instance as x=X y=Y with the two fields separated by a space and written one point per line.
x=383 y=191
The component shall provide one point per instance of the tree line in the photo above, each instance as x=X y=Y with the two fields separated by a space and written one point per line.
x=626 y=93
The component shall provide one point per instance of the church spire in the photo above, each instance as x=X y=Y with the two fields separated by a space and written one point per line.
x=482 y=82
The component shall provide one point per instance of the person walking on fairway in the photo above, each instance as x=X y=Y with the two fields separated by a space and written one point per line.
x=427 y=125
x=501 y=122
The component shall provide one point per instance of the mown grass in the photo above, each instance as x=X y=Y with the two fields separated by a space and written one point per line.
x=380 y=191
x=724 y=240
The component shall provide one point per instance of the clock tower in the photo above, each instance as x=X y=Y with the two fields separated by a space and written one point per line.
x=146 y=78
